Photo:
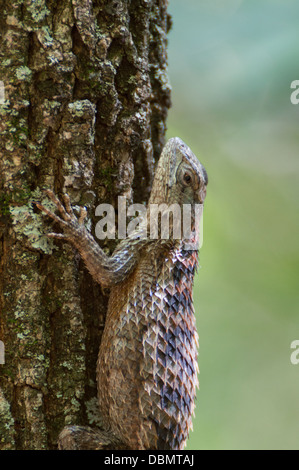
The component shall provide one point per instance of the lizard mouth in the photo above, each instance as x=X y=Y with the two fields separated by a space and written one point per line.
x=205 y=174
x=201 y=195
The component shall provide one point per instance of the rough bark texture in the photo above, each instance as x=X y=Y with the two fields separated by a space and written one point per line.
x=86 y=99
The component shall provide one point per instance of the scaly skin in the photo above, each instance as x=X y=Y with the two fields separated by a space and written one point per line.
x=147 y=363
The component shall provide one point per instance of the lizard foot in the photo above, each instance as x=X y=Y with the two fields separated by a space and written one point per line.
x=68 y=221
x=86 y=438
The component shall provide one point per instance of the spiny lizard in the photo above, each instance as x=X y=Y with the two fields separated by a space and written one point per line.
x=147 y=363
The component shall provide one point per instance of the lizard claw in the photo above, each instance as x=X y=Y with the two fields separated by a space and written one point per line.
x=60 y=236
x=82 y=216
x=67 y=212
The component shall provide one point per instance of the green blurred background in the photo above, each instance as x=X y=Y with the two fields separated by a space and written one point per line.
x=231 y=63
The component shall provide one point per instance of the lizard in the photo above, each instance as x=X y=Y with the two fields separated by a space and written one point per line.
x=147 y=371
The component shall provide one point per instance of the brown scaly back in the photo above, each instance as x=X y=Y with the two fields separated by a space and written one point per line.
x=150 y=340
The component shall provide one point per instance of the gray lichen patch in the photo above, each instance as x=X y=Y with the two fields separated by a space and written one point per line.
x=34 y=408
x=29 y=226
x=23 y=73
x=35 y=12
x=93 y=413
x=7 y=431
x=80 y=108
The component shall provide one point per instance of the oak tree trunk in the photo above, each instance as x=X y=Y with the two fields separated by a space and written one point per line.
x=86 y=100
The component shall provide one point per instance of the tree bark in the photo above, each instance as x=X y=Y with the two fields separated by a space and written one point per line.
x=86 y=100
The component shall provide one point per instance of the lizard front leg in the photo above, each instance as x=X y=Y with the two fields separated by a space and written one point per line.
x=105 y=270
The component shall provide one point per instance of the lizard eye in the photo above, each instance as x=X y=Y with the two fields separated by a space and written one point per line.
x=185 y=175
x=187 y=179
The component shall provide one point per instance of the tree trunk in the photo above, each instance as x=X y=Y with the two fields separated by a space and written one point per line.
x=86 y=100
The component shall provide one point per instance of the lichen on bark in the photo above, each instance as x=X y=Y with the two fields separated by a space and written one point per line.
x=86 y=100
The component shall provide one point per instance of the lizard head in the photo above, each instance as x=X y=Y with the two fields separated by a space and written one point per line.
x=180 y=178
